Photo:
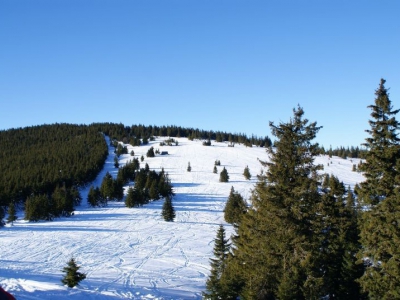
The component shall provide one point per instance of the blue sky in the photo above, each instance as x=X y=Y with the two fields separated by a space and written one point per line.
x=222 y=65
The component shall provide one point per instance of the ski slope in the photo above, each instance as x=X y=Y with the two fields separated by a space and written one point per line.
x=132 y=253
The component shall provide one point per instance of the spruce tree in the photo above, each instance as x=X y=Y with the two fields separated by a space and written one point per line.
x=216 y=290
x=215 y=170
x=189 y=168
x=223 y=176
x=246 y=173
x=379 y=194
x=72 y=276
x=168 y=211
x=235 y=208
x=12 y=214
x=276 y=248
x=130 y=198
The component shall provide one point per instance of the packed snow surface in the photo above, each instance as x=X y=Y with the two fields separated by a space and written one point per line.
x=132 y=253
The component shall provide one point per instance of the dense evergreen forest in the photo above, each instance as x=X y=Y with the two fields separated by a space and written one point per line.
x=36 y=160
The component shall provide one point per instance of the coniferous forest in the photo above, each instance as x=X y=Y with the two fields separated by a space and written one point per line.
x=36 y=160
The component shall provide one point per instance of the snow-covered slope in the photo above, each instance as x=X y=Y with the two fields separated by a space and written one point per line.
x=133 y=253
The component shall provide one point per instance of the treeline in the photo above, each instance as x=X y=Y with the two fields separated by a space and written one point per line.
x=36 y=160
x=137 y=134
x=349 y=152
x=307 y=236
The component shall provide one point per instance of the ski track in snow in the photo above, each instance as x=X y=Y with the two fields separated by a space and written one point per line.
x=131 y=253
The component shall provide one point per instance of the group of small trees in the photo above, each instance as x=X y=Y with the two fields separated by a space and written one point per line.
x=149 y=186
x=60 y=203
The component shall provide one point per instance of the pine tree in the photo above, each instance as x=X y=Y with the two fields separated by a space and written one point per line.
x=168 y=211
x=275 y=247
x=150 y=152
x=379 y=193
x=12 y=214
x=130 y=198
x=215 y=170
x=215 y=290
x=189 y=168
x=338 y=240
x=235 y=208
x=223 y=176
x=246 y=173
x=107 y=187
x=72 y=276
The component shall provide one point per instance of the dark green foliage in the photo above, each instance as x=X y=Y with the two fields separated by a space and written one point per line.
x=235 y=208
x=379 y=193
x=12 y=214
x=189 y=168
x=217 y=162
x=34 y=160
x=95 y=198
x=338 y=240
x=72 y=276
x=246 y=173
x=112 y=189
x=276 y=250
x=107 y=187
x=216 y=289
x=168 y=211
x=349 y=152
x=142 y=158
x=120 y=149
x=207 y=143
x=132 y=153
x=131 y=199
x=150 y=152
x=38 y=207
x=223 y=176
x=153 y=190
x=215 y=170
x=149 y=185
x=62 y=202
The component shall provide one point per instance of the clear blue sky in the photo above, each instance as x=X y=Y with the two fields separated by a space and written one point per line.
x=224 y=65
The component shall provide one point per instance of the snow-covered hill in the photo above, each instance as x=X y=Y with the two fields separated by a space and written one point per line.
x=133 y=253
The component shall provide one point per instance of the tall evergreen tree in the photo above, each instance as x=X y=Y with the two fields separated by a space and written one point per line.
x=12 y=214
x=380 y=194
x=72 y=276
x=168 y=211
x=216 y=290
x=276 y=245
x=130 y=198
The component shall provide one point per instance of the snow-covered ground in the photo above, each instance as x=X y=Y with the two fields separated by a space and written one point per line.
x=131 y=253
